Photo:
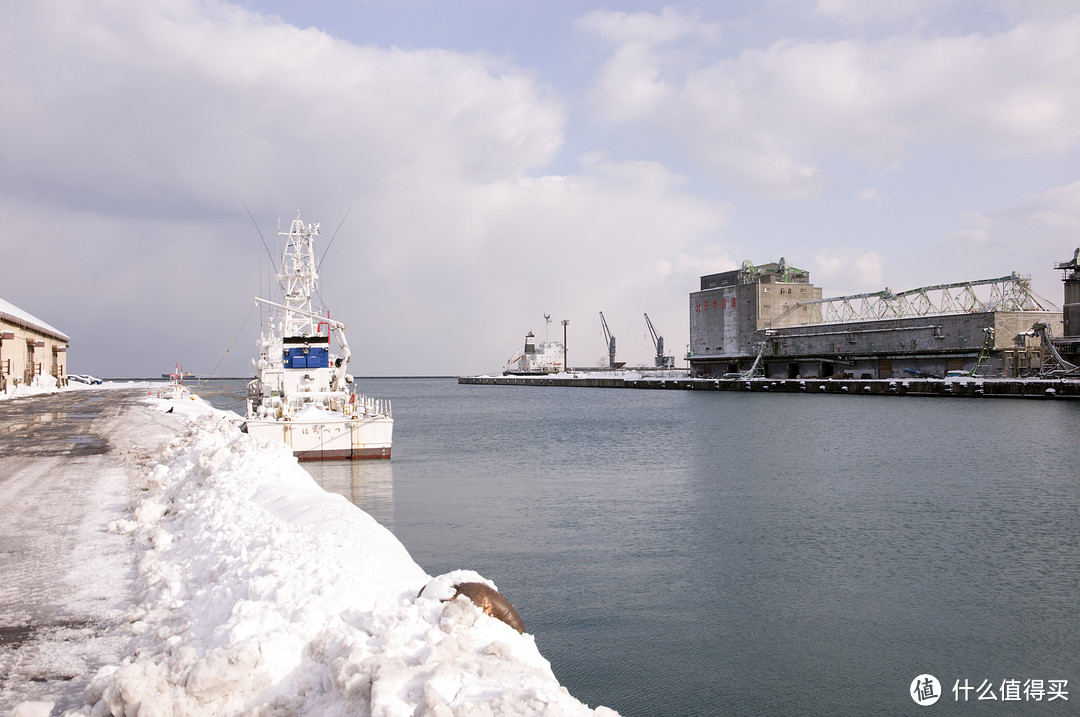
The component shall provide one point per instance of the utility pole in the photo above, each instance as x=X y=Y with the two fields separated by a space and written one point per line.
x=565 y=366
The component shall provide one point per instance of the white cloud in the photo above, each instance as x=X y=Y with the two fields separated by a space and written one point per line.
x=201 y=103
x=144 y=129
x=861 y=12
x=976 y=236
x=648 y=48
x=921 y=13
x=847 y=270
x=971 y=238
x=1057 y=207
x=767 y=118
x=1027 y=236
x=1020 y=10
x=572 y=246
x=646 y=29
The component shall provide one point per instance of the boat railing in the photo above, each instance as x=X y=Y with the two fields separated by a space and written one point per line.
x=374 y=406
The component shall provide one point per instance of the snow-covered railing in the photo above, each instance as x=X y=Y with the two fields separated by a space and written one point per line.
x=374 y=406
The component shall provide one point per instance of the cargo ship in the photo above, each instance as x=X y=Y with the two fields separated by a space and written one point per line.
x=536 y=359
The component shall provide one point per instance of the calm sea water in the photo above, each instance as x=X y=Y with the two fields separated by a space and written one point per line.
x=696 y=553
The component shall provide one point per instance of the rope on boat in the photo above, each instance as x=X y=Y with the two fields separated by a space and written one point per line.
x=250 y=311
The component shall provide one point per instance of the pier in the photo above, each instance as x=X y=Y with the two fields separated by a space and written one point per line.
x=956 y=388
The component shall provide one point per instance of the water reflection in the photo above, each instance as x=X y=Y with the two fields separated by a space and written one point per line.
x=367 y=484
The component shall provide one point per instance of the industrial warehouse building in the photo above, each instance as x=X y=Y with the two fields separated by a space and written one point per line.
x=771 y=321
x=29 y=348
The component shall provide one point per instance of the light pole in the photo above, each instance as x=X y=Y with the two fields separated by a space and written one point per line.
x=565 y=367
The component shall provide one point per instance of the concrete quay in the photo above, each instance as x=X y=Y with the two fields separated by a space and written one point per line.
x=955 y=388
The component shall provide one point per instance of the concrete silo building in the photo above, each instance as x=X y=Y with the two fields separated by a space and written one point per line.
x=771 y=321
x=1068 y=343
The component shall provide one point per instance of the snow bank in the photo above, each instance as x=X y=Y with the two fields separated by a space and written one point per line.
x=47 y=384
x=260 y=593
x=37 y=386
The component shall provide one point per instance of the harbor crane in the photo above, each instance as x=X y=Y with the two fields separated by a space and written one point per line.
x=610 y=341
x=660 y=359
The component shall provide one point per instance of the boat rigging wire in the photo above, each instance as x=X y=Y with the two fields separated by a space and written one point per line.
x=250 y=312
x=263 y=239
x=334 y=237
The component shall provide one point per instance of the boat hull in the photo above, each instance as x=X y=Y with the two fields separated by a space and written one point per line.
x=327 y=440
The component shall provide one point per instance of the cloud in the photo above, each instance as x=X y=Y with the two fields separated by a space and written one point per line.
x=645 y=29
x=568 y=245
x=1027 y=236
x=859 y=12
x=143 y=130
x=648 y=49
x=195 y=104
x=768 y=118
x=847 y=270
x=1058 y=207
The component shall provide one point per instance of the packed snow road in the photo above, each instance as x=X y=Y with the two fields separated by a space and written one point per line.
x=65 y=581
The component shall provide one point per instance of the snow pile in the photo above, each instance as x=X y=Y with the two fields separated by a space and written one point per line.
x=47 y=384
x=37 y=386
x=260 y=593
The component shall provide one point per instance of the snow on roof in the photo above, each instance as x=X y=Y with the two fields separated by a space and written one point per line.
x=13 y=313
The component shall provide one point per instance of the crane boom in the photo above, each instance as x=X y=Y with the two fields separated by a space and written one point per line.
x=660 y=360
x=609 y=340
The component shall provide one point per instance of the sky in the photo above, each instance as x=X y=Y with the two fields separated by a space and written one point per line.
x=479 y=164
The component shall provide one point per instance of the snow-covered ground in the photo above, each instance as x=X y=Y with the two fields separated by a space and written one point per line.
x=258 y=593
x=45 y=384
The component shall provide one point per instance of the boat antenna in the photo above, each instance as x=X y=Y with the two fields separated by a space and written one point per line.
x=272 y=263
x=334 y=237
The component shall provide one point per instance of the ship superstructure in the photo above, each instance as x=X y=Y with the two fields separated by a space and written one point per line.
x=537 y=358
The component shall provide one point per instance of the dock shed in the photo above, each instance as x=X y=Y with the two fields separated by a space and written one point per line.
x=29 y=348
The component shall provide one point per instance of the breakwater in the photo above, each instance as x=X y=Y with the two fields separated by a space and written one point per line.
x=966 y=388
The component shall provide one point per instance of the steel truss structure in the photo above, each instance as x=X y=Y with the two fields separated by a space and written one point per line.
x=1007 y=293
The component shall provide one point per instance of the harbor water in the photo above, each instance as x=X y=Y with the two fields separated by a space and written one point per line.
x=699 y=553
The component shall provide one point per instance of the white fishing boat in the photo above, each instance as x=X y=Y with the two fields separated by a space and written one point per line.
x=302 y=394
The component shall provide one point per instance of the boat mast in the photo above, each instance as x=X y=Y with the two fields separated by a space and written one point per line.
x=299 y=279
